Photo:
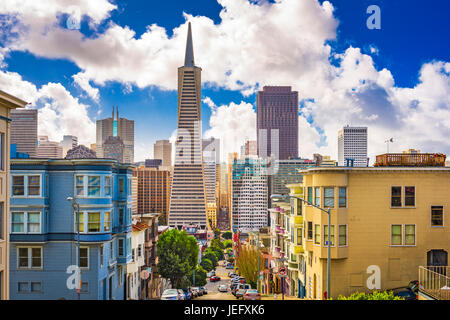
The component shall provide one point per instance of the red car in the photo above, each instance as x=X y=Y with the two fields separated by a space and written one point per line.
x=214 y=279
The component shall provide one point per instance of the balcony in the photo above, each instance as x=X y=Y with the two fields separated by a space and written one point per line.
x=435 y=282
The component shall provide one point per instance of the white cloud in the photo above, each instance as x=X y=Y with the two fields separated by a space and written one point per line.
x=84 y=84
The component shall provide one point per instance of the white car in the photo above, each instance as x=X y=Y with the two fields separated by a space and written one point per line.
x=223 y=288
x=171 y=294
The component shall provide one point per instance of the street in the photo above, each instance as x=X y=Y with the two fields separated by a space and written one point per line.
x=212 y=287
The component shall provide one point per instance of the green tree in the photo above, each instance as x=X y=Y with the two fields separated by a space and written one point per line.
x=376 y=295
x=247 y=263
x=217 y=233
x=211 y=256
x=217 y=243
x=177 y=256
x=227 y=235
x=206 y=264
x=228 y=244
x=217 y=251
x=200 y=277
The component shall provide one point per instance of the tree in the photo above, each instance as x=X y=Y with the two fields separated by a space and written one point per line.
x=247 y=263
x=211 y=256
x=217 y=243
x=177 y=254
x=206 y=264
x=217 y=233
x=228 y=244
x=227 y=235
x=200 y=277
x=376 y=295
x=217 y=251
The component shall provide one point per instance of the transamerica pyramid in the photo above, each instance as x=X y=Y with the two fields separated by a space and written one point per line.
x=187 y=199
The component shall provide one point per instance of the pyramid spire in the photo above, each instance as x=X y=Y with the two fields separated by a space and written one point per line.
x=189 y=58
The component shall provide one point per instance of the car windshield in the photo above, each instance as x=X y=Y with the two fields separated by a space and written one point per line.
x=170 y=291
x=252 y=291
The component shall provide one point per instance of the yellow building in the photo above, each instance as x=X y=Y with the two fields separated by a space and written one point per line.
x=385 y=223
x=7 y=102
x=211 y=211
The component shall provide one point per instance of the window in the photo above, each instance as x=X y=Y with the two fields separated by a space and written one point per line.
x=120 y=275
x=121 y=244
x=328 y=197
x=29 y=258
x=2 y=154
x=299 y=236
x=129 y=186
x=111 y=249
x=299 y=207
x=437 y=216
x=342 y=235
x=94 y=186
x=129 y=246
x=317 y=234
x=34 y=185
x=121 y=186
x=1 y=228
x=84 y=287
x=121 y=216
x=18 y=185
x=94 y=222
x=102 y=255
x=396 y=235
x=396 y=196
x=84 y=257
x=25 y=222
x=342 y=197
x=325 y=235
x=410 y=196
x=79 y=185
x=133 y=254
x=22 y=287
x=129 y=216
x=310 y=230
x=107 y=186
x=317 y=196
x=36 y=287
x=107 y=222
x=139 y=250
x=410 y=235
x=310 y=194
x=81 y=221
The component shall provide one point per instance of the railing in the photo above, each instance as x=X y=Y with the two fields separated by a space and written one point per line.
x=435 y=281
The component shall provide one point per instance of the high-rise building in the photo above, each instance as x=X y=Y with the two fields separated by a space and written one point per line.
x=48 y=149
x=67 y=143
x=188 y=199
x=94 y=147
x=352 y=146
x=116 y=127
x=114 y=148
x=153 y=191
x=249 y=190
x=231 y=157
x=287 y=172
x=8 y=103
x=153 y=163
x=24 y=130
x=277 y=122
x=211 y=156
x=249 y=148
x=80 y=152
x=162 y=149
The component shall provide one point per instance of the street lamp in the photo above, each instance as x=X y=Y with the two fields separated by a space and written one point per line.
x=282 y=197
x=76 y=206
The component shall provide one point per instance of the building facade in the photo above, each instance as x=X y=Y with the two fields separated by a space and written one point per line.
x=8 y=103
x=249 y=195
x=385 y=224
x=188 y=195
x=44 y=232
x=287 y=172
x=249 y=148
x=277 y=122
x=162 y=150
x=24 y=132
x=352 y=145
x=135 y=267
x=116 y=127
x=67 y=143
x=48 y=149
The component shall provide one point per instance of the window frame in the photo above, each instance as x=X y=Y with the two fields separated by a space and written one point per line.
x=310 y=195
x=315 y=196
x=87 y=257
x=431 y=217
x=317 y=235
x=89 y=186
x=107 y=186
x=25 y=185
x=325 y=197
x=404 y=196
x=30 y=258
x=401 y=197
x=346 y=197
x=415 y=235
x=332 y=236
x=310 y=230
x=401 y=235
x=25 y=222
x=346 y=235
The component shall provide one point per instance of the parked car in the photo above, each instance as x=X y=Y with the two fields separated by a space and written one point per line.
x=229 y=266
x=204 y=290
x=199 y=292
x=232 y=275
x=194 y=293
x=252 y=294
x=224 y=263
x=210 y=274
x=240 y=290
x=214 y=278
x=188 y=294
x=223 y=288
x=409 y=292
x=171 y=294
x=240 y=287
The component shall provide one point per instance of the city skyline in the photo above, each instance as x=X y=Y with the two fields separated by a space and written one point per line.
x=355 y=77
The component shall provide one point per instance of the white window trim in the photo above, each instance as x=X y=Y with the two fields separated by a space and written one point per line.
x=101 y=256
x=25 y=185
x=390 y=232
x=25 y=222
x=88 y=257
x=404 y=197
x=346 y=236
x=346 y=197
x=314 y=236
x=334 y=197
x=110 y=186
x=85 y=221
x=86 y=185
x=30 y=262
x=443 y=216
x=415 y=235
x=123 y=248
x=324 y=242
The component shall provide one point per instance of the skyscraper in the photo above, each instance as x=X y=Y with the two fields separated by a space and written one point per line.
x=24 y=131
x=116 y=127
x=211 y=156
x=352 y=144
x=67 y=143
x=188 y=200
x=162 y=149
x=277 y=122
x=48 y=149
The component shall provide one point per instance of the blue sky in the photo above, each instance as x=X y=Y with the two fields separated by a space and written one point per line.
x=413 y=34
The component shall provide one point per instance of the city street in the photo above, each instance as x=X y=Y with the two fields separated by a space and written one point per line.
x=212 y=287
